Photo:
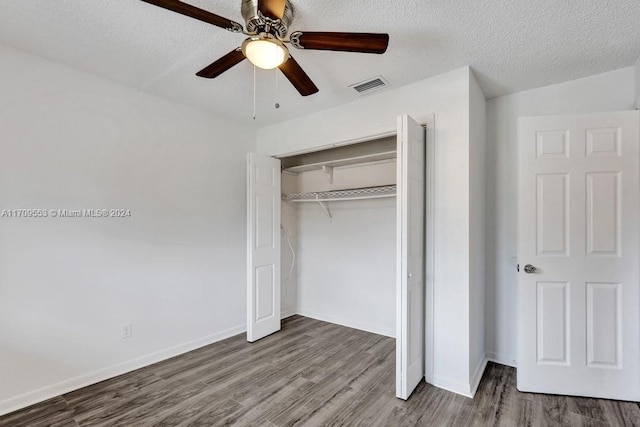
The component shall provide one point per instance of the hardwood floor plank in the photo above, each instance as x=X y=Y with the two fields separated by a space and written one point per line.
x=52 y=411
x=212 y=415
x=312 y=373
x=210 y=371
x=105 y=394
x=519 y=412
x=590 y=408
x=142 y=415
x=87 y=393
x=428 y=396
x=301 y=415
x=551 y=410
x=460 y=409
x=622 y=413
x=581 y=421
x=282 y=402
x=55 y=421
x=364 y=415
x=111 y=412
x=192 y=408
x=491 y=389
x=254 y=411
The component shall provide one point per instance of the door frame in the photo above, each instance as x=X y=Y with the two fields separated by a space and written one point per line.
x=429 y=122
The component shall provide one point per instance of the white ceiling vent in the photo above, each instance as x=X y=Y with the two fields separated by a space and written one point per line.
x=370 y=85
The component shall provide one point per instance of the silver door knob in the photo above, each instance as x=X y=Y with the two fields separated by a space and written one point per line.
x=410 y=275
x=529 y=269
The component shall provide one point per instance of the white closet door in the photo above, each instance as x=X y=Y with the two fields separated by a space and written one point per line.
x=263 y=254
x=578 y=247
x=410 y=256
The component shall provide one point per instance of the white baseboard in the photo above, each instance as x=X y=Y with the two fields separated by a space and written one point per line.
x=477 y=375
x=288 y=313
x=348 y=323
x=502 y=359
x=460 y=387
x=66 y=386
x=453 y=386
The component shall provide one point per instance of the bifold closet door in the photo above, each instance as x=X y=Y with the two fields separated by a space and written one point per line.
x=410 y=307
x=263 y=252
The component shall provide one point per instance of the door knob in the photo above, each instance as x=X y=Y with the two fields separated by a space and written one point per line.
x=529 y=269
x=410 y=275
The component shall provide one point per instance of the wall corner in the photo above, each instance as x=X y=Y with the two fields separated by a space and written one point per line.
x=477 y=234
x=637 y=84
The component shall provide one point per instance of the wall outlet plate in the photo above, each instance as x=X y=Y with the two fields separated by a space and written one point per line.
x=126 y=330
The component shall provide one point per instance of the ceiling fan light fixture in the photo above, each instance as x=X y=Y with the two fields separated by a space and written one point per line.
x=265 y=52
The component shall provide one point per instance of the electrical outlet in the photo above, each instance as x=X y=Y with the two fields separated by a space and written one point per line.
x=126 y=331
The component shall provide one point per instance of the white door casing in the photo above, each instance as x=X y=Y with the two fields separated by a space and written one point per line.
x=578 y=225
x=410 y=235
x=263 y=252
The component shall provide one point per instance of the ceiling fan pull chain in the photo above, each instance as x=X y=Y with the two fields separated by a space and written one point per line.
x=254 y=92
x=277 y=103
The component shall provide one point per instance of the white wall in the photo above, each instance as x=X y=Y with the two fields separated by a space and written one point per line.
x=610 y=91
x=346 y=265
x=477 y=177
x=288 y=251
x=175 y=269
x=446 y=96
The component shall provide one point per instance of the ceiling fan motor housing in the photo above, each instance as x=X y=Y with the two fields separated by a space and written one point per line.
x=256 y=23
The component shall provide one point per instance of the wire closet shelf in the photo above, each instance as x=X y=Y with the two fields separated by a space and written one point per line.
x=337 y=195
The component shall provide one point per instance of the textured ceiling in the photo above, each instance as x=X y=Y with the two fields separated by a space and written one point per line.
x=511 y=44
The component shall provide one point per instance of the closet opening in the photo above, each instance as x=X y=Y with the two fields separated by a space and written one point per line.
x=338 y=235
x=338 y=217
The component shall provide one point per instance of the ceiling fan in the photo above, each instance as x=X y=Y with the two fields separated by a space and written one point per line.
x=267 y=24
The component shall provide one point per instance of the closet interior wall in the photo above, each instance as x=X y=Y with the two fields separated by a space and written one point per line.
x=289 y=250
x=345 y=263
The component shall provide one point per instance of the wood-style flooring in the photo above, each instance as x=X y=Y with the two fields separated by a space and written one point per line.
x=311 y=373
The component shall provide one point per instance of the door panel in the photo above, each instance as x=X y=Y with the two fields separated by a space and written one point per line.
x=553 y=326
x=265 y=207
x=603 y=214
x=264 y=292
x=552 y=205
x=410 y=309
x=578 y=225
x=604 y=323
x=263 y=241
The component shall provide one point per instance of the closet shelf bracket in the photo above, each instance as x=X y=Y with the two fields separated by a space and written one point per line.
x=323 y=206
x=329 y=171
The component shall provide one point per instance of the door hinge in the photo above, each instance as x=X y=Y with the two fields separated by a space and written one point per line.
x=518 y=267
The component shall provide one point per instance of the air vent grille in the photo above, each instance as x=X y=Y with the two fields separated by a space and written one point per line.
x=370 y=85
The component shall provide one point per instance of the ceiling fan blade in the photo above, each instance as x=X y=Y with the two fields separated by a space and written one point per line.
x=343 y=42
x=193 y=12
x=298 y=78
x=221 y=65
x=273 y=9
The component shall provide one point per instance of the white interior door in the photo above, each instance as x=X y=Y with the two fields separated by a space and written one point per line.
x=410 y=256
x=263 y=254
x=578 y=290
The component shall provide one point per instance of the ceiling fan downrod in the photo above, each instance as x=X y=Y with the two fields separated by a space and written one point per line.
x=274 y=17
